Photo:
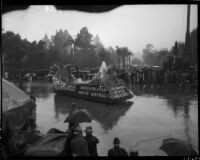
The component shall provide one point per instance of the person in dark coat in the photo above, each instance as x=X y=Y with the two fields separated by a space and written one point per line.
x=72 y=124
x=32 y=119
x=92 y=141
x=116 y=150
x=74 y=107
x=71 y=135
x=70 y=131
x=79 y=145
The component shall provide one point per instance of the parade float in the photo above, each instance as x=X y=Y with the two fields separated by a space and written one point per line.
x=104 y=87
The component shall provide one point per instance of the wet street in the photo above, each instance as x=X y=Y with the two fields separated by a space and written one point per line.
x=155 y=113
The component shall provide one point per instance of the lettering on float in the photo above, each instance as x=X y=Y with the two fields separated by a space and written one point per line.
x=93 y=91
x=119 y=91
x=83 y=93
x=97 y=94
x=93 y=88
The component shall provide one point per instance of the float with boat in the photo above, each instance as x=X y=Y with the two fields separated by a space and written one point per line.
x=103 y=87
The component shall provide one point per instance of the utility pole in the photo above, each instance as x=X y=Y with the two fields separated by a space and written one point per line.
x=187 y=37
x=187 y=53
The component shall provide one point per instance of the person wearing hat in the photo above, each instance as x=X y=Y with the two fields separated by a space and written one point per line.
x=79 y=145
x=32 y=118
x=73 y=124
x=92 y=141
x=74 y=107
x=117 y=150
x=70 y=131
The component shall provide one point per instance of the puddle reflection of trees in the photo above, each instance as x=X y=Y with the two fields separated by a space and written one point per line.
x=41 y=89
x=107 y=115
x=178 y=100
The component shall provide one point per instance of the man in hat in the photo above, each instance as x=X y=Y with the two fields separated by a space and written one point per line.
x=70 y=131
x=79 y=145
x=74 y=107
x=32 y=118
x=73 y=124
x=92 y=141
x=116 y=150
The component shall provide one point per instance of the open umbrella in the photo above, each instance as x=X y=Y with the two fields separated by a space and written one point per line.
x=12 y=97
x=176 y=147
x=16 y=104
x=79 y=116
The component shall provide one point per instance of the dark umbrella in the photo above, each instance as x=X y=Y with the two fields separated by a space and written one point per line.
x=79 y=116
x=12 y=97
x=176 y=147
x=16 y=105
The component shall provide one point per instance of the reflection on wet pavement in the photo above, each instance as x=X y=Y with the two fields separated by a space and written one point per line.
x=106 y=115
x=155 y=111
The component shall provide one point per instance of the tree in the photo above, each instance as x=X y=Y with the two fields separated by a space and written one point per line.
x=129 y=54
x=85 y=56
x=12 y=50
x=175 y=49
x=148 y=54
x=83 y=39
x=47 y=41
x=98 y=45
x=104 y=55
x=136 y=61
x=62 y=42
x=113 y=56
x=25 y=61
x=122 y=53
x=162 y=56
x=149 y=49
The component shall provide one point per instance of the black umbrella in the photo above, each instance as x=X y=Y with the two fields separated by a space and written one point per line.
x=176 y=147
x=79 y=116
x=13 y=97
x=16 y=105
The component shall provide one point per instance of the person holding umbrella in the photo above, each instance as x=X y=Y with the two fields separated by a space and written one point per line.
x=73 y=108
x=92 y=141
x=177 y=147
x=71 y=135
x=32 y=119
x=79 y=145
x=75 y=117
x=72 y=122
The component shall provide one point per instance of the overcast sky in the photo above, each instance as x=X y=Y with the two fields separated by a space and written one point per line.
x=133 y=26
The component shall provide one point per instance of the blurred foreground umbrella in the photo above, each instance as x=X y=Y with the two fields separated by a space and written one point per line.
x=79 y=116
x=176 y=147
x=12 y=96
x=16 y=105
x=50 y=145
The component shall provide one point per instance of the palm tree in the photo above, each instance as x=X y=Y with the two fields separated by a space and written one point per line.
x=123 y=55
x=118 y=55
x=129 y=54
